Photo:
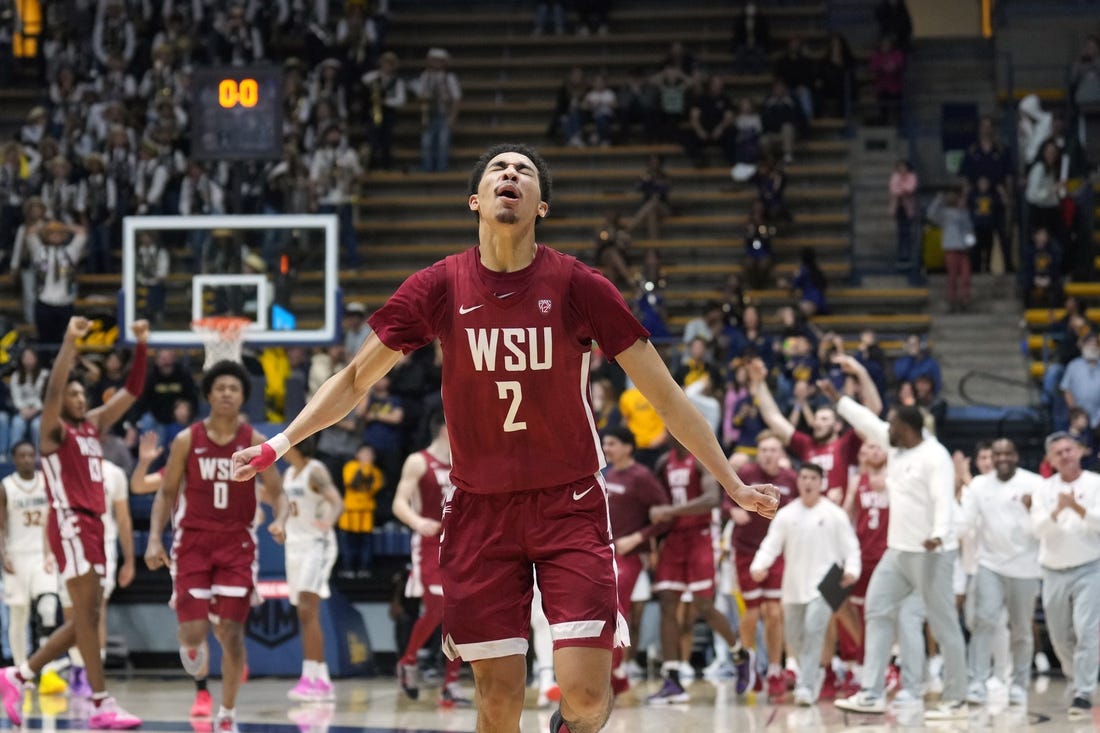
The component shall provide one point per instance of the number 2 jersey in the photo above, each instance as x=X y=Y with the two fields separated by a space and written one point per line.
x=516 y=352
x=210 y=500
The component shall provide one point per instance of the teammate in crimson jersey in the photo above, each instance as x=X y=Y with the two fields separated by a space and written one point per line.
x=868 y=504
x=685 y=562
x=72 y=462
x=425 y=487
x=214 y=549
x=761 y=597
x=516 y=321
x=632 y=490
x=829 y=448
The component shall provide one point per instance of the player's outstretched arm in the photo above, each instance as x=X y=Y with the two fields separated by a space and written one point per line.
x=121 y=401
x=141 y=481
x=50 y=430
x=336 y=397
x=650 y=375
x=773 y=416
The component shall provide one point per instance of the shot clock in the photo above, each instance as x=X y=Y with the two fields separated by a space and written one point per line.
x=237 y=113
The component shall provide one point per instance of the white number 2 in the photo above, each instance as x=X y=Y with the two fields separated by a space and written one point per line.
x=514 y=389
x=221 y=494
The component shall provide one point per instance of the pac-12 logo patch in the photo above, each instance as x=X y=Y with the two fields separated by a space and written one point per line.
x=544 y=306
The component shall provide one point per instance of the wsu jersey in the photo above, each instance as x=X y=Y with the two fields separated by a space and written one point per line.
x=80 y=456
x=435 y=488
x=210 y=499
x=682 y=478
x=747 y=537
x=834 y=456
x=28 y=507
x=516 y=350
x=872 y=518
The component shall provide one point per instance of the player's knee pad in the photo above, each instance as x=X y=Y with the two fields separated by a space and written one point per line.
x=47 y=613
x=195 y=660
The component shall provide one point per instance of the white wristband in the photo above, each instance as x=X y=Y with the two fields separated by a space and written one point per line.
x=280 y=444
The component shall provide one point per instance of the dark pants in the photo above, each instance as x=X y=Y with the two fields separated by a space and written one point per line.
x=52 y=321
x=356 y=550
x=381 y=141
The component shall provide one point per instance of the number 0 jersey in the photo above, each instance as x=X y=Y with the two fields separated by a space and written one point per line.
x=28 y=506
x=210 y=500
x=516 y=350
x=74 y=472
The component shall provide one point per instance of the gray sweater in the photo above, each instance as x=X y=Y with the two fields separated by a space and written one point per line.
x=958 y=231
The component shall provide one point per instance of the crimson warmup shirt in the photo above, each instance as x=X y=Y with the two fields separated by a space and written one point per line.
x=834 y=456
x=747 y=537
x=872 y=518
x=682 y=478
x=74 y=472
x=210 y=500
x=516 y=351
x=435 y=489
x=630 y=493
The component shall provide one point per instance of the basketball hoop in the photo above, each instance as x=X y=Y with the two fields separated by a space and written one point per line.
x=222 y=337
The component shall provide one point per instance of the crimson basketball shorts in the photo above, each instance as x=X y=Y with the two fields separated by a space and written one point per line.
x=754 y=593
x=488 y=548
x=685 y=562
x=629 y=568
x=213 y=575
x=76 y=541
x=424 y=578
x=859 y=590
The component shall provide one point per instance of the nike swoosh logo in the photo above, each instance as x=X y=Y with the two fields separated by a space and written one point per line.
x=463 y=310
x=578 y=497
x=200 y=450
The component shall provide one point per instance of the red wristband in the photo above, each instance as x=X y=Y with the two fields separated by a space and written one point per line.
x=135 y=380
x=265 y=459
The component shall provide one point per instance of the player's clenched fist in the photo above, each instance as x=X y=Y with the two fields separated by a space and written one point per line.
x=760 y=498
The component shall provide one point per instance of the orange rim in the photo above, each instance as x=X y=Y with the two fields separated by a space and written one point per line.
x=222 y=324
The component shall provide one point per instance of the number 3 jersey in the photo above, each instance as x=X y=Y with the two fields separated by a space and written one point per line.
x=210 y=500
x=516 y=351
x=27 y=509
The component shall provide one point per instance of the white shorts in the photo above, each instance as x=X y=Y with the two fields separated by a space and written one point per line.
x=642 y=588
x=110 y=577
x=29 y=580
x=308 y=566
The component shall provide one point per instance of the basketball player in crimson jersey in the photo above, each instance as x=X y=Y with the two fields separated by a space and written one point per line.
x=516 y=321
x=762 y=598
x=72 y=462
x=213 y=550
x=685 y=562
x=425 y=487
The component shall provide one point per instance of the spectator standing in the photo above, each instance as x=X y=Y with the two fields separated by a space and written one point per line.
x=835 y=78
x=1084 y=87
x=799 y=73
x=1041 y=268
x=782 y=119
x=751 y=40
x=1044 y=193
x=549 y=16
x=23 y=268
x=363 y=480
x=672 y=90
x=1034 y=127
x=568 y=120
x=758 y=248
x=654 y=187
x=356 y=328
x=151 y=267
x=1065 y=515
x=440 y=98
x=386 y=95
x=917 y=360
x=987 y=217
x=948 y=211
x=887 y=65
x=749 y=128
x=167 y=382
x=97 y=204
x=55 y=250
x=712 y=123
x=903 y=207
x=334 y=172
x=809 y=285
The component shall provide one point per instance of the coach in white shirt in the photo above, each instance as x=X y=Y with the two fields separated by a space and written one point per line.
x=995 y=508
x=812 y=534
x=1065 y=513
x=921 y=546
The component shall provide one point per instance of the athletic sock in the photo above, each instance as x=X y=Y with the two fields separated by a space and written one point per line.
x=774 y=669
x=671 y=670
x=99 y=697
x=25 y=673
x=309 y=669
x=224 y=712
x=200 y=685
x=321 y=671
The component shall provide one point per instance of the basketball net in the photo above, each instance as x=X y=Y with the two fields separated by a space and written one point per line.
x=222 y=338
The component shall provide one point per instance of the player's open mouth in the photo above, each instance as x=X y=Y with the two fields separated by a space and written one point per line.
x=507 y=191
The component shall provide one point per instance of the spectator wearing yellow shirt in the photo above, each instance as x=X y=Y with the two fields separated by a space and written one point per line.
x=362 y=482
x=647 y=426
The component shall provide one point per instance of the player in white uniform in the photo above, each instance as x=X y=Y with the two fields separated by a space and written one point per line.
x=315 y=505
x=23 y=510
x=118 y=529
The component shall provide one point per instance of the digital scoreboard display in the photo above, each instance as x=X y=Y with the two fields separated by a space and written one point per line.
x=237 y=113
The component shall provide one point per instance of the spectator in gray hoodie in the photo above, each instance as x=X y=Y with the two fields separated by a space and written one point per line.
x=948 y=211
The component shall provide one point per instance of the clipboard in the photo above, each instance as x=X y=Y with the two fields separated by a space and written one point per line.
x=830 y=588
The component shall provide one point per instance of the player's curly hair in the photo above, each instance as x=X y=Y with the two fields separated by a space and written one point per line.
x=546 y=184
x=226 y=368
